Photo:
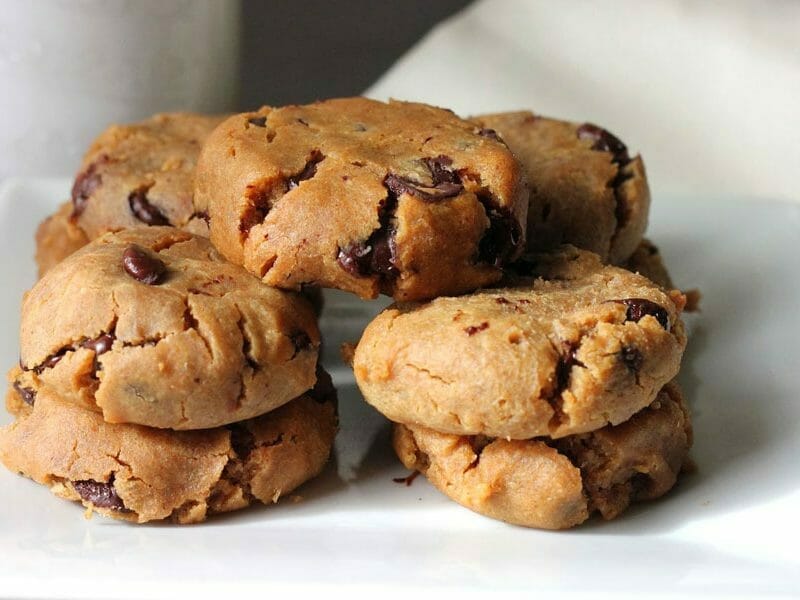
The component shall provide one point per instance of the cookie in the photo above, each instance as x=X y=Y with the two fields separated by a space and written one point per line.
x=557 y=484
x=142 y=174
x=646 y=260
x=585 y=189
x=141 y=474
x=581 y=345
x=56 y=238
x=152 y=326
x=400 y=198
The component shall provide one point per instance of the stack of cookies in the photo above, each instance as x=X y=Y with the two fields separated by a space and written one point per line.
x=166 y=375
x=156 y=379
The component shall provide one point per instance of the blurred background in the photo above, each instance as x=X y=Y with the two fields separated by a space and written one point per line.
x=707 y=92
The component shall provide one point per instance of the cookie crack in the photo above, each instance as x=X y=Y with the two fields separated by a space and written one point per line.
x=478 y=443
x=428 y=373
x=262 y=196
x=190 y=323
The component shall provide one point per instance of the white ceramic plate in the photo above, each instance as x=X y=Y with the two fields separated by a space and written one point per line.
x=728 y=530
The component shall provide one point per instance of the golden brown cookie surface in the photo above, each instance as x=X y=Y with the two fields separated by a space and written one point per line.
x=579 y=346
x=585 y=189
x=400 y=198
x=142 y=174
x=557 y=484
x=153 y=326
x=142 y=474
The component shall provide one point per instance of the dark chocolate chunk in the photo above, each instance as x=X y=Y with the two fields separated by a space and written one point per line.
x=604 y=141
x=258 y=121
x=473 y=329
x=378 y=255
x=27 y=394
x=441 y=172
x=143 y=210
x=501 y=238
x=384 y=251
x=639 y=307
x=308 y=171
x=100 y=344
x=51 y=361
x=490 y=133
x=568 y=359
x=445 y=183
x=102 y=495
x=355 y=259
x=142 y=266
x=632 y=358
x=85 y=185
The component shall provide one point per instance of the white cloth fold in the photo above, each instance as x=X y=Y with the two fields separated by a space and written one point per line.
x=709 y=93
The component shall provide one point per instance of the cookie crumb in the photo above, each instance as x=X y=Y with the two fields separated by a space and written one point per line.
x=347 y=350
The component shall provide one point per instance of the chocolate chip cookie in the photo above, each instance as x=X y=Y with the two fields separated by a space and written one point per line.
x=579 y=346
x=368 y=197
x=57 y=237
x=152 y=326
x=646 y=260
x=557 y=484
x=585 y=189
x=142 y=474
x=142 y=174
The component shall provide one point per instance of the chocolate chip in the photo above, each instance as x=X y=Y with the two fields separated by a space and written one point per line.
x=445 y=183
x=355 y=259
x=567 y=359
x=99 y=345
x=300 y=340
x=323 y=390
x=51 y=361
x=384 y=251
x=143 y=210
x=85 y=185
x=258 y=121
x=102 y=495
x=632 y=358
x=378 y=255
x=27 y=394
x=441 y=172
x=142 y=266
x=501 y=238
x=473 y=329
x=502 y=300
x=399 y=186
x=308 y=171
x=639 y=307
x=490 y=133
x=604 y=141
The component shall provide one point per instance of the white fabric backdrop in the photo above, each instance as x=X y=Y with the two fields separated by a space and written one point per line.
x=709 y=93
